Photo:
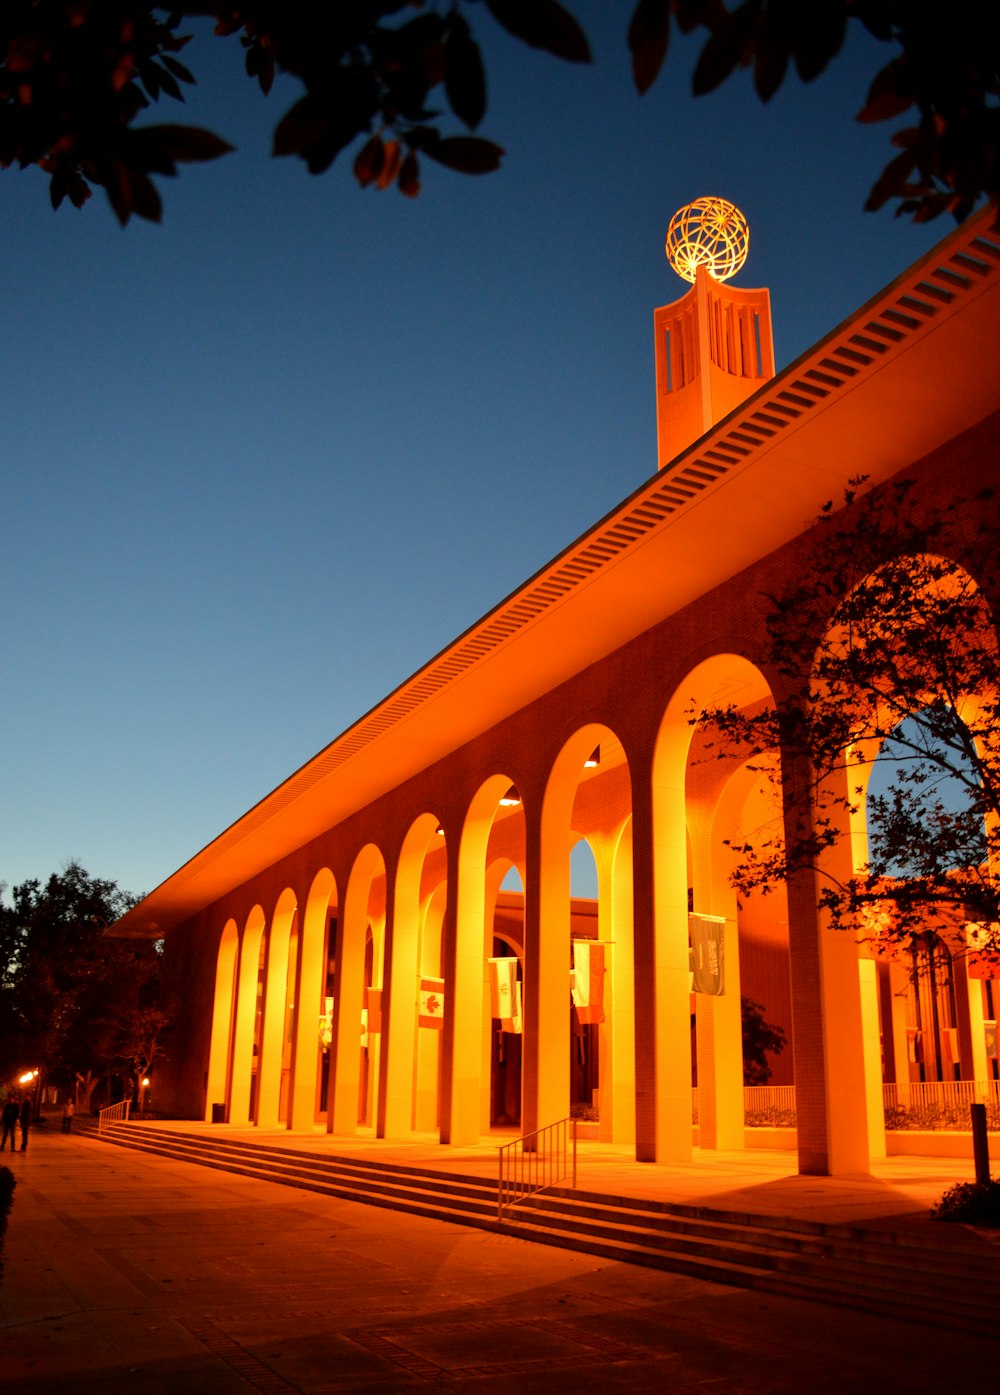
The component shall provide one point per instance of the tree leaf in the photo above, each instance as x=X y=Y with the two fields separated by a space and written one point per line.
x=543 y=24
x=893 y=182
x=727 y=48
x=369 y=162
x=465 y=77
x=890 y=94
x=178 y=69
x=189 y=143
x=817 y=36
x=409 y=176
x=390 y=164
x=648 y=39
x=769 y=70
x=467 y=154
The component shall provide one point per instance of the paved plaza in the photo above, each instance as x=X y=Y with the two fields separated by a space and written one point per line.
x=125 y=1272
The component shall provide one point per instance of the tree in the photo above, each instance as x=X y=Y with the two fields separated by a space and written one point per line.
x=759 y=1038
x=75 y=75
x=886 y=647
x=72 y=1000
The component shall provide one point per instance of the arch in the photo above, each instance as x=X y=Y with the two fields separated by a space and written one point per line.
x=246 y=1023
x=313 y=960
x=588 y=791
x=662 y=972
x=915 y=635
x=400 y=1032
x=427 y=1068
x=505 y=903
x=466 y=1023
x=349 y=989
x=281 y=940
x=222 y=1019
x=512 y=880
x=584 y=880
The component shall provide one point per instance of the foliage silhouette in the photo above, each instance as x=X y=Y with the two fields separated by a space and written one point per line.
x=886 y=644
x=74 y=1002
x=75 y=75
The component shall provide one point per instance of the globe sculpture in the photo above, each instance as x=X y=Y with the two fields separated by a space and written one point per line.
x=710 y=233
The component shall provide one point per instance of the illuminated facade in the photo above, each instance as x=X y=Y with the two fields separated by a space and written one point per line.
x=347 y=954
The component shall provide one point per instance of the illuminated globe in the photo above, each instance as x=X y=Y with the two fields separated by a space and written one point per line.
x=710 y=233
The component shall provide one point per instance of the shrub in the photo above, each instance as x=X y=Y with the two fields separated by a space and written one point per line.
x=7 y=1184
x=974 y=1203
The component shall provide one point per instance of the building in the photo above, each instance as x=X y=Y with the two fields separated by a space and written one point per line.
x=335 y=946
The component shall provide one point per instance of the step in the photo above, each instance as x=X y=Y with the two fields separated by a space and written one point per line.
x=282 y=1157
x=774 y=1249
x=827 y=1243
x=285 y=1158
x=366 y=1186
x=843 y=1265
x=961 y=1311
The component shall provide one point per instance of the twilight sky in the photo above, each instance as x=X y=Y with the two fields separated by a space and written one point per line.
x=263 y=461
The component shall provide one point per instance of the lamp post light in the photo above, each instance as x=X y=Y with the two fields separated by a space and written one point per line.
x=143 y=1094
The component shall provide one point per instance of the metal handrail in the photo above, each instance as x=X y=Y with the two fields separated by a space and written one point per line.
x=114 y=1114
x=536 y=1161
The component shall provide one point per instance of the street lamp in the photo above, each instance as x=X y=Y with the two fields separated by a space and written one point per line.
x=142 y=1097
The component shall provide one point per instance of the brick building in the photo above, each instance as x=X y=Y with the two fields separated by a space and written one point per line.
x=355 y=951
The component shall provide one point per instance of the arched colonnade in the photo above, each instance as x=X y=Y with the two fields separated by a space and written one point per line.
x=321 y=1003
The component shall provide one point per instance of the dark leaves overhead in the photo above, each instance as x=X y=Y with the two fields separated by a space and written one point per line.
x=468 y=154
x=465 y=77
x=78 y=76
x=543 y=24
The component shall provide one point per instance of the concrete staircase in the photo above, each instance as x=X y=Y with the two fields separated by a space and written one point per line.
x=913 y=1276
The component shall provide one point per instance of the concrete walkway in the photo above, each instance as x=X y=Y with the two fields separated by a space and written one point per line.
x=140 y=1274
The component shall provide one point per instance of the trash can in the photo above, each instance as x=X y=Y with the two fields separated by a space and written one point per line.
x=218 y=1113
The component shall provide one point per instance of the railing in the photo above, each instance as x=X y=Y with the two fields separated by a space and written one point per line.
x=916 y=1104
x=764 y=1106
x=939 y=1104
x=114 y=1114
x=769 y=1106
x=536 y=1161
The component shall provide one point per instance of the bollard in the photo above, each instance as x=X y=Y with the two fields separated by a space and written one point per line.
x=980 y=1144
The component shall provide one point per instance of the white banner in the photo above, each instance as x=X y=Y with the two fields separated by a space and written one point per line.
x=587 y=986
x=505 y=993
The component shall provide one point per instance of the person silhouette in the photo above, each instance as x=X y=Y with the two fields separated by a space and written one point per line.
x=9 y=1120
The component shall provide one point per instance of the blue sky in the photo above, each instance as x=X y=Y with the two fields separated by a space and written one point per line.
x=262 y=461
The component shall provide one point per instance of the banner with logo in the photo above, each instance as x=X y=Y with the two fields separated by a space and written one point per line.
x=431 y=1007
x=708 y=966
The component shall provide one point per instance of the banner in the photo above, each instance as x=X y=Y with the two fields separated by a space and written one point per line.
x=990 y=1028
x=431 y=1009
x=708 y=963
x=505 y=993
x=587 y=981
x=326 y=1025
x=949 y=1053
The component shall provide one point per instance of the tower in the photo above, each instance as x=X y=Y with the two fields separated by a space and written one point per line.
x=714 y=346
